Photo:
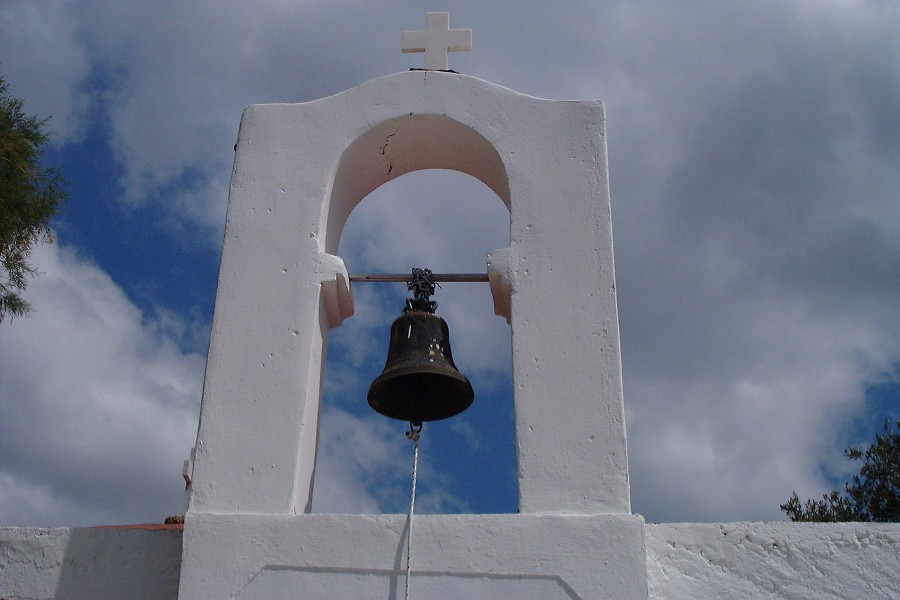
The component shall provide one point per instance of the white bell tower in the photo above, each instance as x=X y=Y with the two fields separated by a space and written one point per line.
x=299 y=171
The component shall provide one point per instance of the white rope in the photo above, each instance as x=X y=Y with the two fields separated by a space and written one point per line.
x=412 y=435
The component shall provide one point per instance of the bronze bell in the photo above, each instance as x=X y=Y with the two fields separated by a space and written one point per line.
x=420 y=382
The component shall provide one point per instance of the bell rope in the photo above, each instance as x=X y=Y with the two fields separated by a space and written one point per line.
x=415 y=430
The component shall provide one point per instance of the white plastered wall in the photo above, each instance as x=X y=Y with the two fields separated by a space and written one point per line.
x=299 y=171
x=715 y=561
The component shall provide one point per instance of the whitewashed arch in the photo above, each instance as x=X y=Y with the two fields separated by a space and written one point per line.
x=299 y=171
x=403 y=145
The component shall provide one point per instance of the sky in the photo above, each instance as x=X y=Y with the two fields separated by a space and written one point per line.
x=753 y=160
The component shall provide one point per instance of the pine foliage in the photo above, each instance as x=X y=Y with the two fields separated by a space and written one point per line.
x=872 y=495
x=29 y=196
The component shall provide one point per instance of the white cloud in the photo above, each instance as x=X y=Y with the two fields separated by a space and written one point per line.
x=365 y=467
x=357 y=458
x=42 y=60
x=99 y=406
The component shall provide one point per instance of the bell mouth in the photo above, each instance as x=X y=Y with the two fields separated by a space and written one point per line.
x=414 y=394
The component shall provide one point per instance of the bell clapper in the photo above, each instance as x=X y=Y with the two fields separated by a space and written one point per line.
x=414 y=430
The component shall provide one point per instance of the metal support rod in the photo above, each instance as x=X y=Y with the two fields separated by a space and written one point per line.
x=438 y=277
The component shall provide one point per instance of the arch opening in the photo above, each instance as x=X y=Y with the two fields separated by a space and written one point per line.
x=403 y=145
x=446 y=221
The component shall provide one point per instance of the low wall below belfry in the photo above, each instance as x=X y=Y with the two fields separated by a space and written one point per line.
x=113 y=563
x=684 y=560
x=825 y=561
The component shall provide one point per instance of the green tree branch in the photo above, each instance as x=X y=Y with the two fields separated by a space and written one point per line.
x=872 y=495
x=29 y=197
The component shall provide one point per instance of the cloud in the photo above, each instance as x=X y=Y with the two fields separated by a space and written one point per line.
x=353 y=481
x=758 y=305
x=98 y=406
x=41 y=59
x=365 y=465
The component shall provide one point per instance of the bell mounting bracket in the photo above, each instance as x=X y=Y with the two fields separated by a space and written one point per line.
x=422 y=283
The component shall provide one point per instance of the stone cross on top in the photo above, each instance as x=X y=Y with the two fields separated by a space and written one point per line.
x=437 y=40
